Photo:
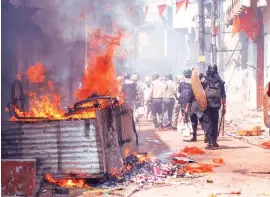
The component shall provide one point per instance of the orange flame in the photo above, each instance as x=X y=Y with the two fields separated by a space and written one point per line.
x=67 y=183
x=126 y=152
x=142 y=157
x=35 y=73
x=100 y=75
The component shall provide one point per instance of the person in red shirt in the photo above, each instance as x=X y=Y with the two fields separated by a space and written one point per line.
x=268 y=91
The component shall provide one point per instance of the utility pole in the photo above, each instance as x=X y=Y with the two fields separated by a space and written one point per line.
x=86 y=42
x=201 y=34
x=213 y=32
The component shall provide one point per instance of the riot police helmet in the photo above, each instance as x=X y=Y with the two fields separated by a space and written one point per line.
x=187 y=73
x=126 y=76
x=212 y=69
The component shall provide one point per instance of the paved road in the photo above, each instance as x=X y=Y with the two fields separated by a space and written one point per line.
x=240 y=157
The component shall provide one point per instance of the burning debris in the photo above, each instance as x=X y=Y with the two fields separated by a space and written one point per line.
x=139 y=169
x=67 y=183
x=99 y=79
x=266 y=145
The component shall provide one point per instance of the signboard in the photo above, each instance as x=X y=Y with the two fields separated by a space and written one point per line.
x=201 y=58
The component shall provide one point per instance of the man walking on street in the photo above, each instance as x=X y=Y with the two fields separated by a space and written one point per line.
x=157 y=96
x=195 y=113
x=177 y=106
x=184 y=90
x=169 y=100
x=215 y=94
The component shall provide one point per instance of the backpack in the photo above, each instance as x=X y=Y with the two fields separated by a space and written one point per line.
x=213 y=93
x=185 y=89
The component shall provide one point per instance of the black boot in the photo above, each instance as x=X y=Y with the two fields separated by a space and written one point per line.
x=194 y=128
x=205 y=138
x=215 y=142
x=193 y=139
x=210 y=145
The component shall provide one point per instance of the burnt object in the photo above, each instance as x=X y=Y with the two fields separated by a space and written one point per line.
x=17 y=94
x=82 y=148
x=93 y=102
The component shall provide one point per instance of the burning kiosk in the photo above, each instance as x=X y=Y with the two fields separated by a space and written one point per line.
x=71 y=146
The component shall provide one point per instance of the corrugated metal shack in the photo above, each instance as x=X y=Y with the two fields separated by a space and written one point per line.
x=85 y=148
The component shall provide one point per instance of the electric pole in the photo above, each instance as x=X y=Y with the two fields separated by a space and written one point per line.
x=201 y=35
x=213 y=32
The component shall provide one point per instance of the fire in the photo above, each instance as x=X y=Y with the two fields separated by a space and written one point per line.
x=99 y=77
x=67 y=183
x=35 y=73
x=142 y=157
x=126 y=152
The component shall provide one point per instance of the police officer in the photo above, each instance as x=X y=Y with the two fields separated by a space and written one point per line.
x=195 y=112
x=177 y=106
x=215 y=94
x=157 y=95
x=185 y=90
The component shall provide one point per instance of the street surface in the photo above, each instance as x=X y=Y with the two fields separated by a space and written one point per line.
x=241 y=159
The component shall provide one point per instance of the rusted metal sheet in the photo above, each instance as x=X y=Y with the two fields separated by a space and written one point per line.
x=63 y=147
x=129 y=138
x=18 y=177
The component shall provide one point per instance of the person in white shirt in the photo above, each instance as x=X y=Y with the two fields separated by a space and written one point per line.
x=169 y=99
x=147 y=100
x=157 y=96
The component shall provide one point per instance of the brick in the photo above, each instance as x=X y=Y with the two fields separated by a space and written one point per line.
x=18 y=177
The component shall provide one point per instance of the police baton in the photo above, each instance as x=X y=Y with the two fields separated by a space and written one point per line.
x=221 y=123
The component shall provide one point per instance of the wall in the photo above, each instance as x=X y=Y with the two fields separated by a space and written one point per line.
x=238 y=62
x=266 y=21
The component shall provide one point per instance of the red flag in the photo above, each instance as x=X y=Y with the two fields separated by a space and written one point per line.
x=179 y=5
x=249 y=24
x=161 y=9
x=187 y=1
x=146 y=9
x=236 y=25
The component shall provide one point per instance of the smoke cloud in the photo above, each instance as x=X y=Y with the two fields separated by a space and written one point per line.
x=63 y=22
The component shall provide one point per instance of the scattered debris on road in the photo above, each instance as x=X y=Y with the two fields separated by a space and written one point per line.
x=266 y=145
x=218 y=161
x=193 y=151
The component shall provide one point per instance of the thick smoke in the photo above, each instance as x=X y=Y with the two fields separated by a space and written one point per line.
x=64 y=23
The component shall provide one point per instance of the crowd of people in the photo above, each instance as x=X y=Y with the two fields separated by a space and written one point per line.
x=162 y=100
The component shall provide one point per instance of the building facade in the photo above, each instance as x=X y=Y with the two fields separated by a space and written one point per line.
x=245 y=50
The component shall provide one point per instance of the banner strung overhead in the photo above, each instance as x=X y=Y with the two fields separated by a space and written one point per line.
x=161 y=9
x=180 y=3
x=247 y=23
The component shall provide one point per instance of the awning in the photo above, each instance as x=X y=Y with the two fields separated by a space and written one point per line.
x=234 y=8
